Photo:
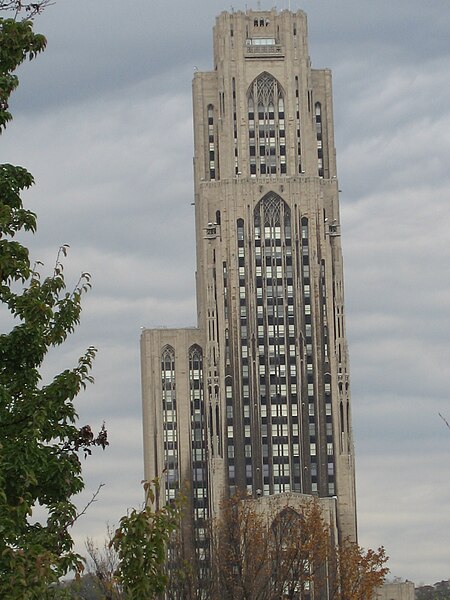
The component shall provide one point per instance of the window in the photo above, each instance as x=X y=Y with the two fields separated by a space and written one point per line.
x=169 y=421
x=318 y=113
x=266 y=144
x=212 y=164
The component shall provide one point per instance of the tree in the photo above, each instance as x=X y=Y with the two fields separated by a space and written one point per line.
x=98 y=581
x=189 y=576
x=40 y=439
x=102 y=564
x=241 y=549
x=270 y=554
x=132 y=561
x=141 y=542
x=288 y=552
x=30 y=9
x=84 y=587
x=438 y=591
x=300 y=543
x=358 y=573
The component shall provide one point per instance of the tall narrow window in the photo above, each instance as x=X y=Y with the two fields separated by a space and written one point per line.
x=170 y=422
x=266 y=127
x=298 y=129
x=312 y=396
x=318 y=111
x=276 y=334
x=212 y=145
x=235 y=129
x=198 y=450
x=244 y=340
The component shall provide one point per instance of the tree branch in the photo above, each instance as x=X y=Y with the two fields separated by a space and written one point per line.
x=31 y=9
x=445 y=420
x=91 y=501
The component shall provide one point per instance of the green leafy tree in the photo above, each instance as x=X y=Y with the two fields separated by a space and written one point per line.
x=40 y=440
x=132 y=562
x=438 y=591
x=142 y=541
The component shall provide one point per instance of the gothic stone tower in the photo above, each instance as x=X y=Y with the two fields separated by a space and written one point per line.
x=257 y=396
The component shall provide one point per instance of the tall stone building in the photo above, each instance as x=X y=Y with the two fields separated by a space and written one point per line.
x=256 y=397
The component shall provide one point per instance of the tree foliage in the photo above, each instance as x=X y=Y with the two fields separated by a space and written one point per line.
x=188 y=577
x=268 y=555
x=39 y=437
x=358 y=572
x=438 y=591
x=101 y=565
x=300 y=543
x=131 y=563
x=98 y=581
x=141 y=542
x=287 y=552
x=17 y=42
x=241 y=550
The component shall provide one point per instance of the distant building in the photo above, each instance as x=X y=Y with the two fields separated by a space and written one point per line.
x=257 y=396
x=396 y=591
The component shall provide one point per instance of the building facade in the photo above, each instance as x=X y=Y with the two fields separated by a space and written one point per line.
x=396 y=591
x=257 y=397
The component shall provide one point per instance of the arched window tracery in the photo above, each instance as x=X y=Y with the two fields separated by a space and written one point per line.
x=198 y=449
x=275 y=330
x=318 y=114
x=170 y=421
x=266 y=123
x=212 y=144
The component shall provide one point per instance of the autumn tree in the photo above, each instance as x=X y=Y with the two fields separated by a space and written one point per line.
x=40 y=439
x=241 y=549
x=357 y=572
x=299 y=546
x=265 y=550
x=270 y=553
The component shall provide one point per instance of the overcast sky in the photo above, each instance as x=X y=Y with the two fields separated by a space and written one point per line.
x=103 y=121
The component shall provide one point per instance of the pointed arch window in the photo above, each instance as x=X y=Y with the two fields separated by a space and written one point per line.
x=318 y=112
x=170 y=421
x=266 y=127
x=211 y=142
x=198 y=449
x=275 y=338
x=298 y=132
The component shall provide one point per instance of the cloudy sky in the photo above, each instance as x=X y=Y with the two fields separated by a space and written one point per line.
x=103 y=121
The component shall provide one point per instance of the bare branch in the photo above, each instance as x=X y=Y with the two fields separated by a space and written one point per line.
x=91 y=501
x=445 y=420
x=27 y=9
